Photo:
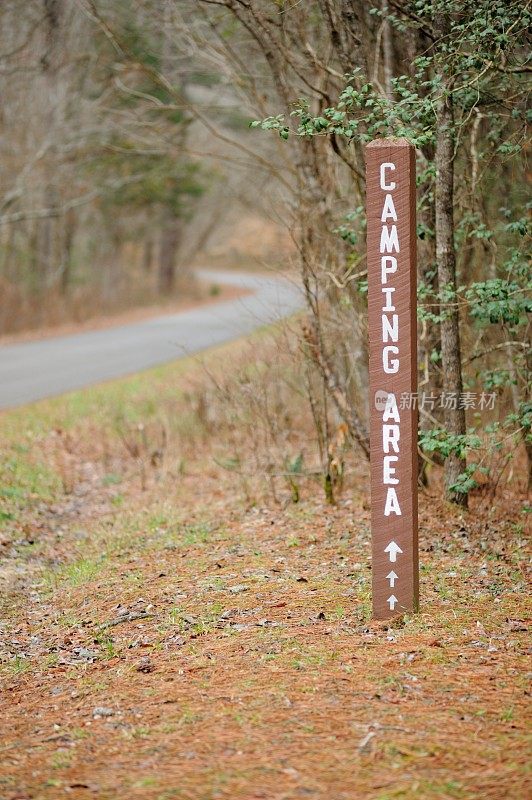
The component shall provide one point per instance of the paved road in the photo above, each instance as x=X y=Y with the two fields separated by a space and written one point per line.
x=32 y=370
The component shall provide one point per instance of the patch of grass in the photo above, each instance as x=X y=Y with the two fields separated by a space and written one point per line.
x=292 y=541
x=68 y=620
x=16 y=666
x=188 y=717
x=25 y=481
x=78 y=734
x=53 y=783
x=137 y=732
x=426 y=790
x=111 y=479
x=79 y=572
x=108 y=646
x=62 y=759
x=338 y=613
x=146 y=783
x=190 y=535
x=184 y=621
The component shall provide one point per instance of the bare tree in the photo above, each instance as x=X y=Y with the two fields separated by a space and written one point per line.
x=454 y=413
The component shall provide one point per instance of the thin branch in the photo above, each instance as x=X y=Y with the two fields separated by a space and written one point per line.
x=501 y=346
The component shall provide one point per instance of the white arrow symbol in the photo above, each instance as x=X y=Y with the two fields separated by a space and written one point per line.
x=393 y=549
x=392 y=577
x=392 y=601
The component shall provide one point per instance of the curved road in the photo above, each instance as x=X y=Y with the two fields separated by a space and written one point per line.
x=32 y=370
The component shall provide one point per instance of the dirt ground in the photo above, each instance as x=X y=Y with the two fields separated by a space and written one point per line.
x=162 y=637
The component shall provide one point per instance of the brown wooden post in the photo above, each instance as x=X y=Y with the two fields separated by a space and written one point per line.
x=391 y=245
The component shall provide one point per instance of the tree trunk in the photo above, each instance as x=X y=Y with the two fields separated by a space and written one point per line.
x=147 y=255
x=44 y=242
x=387 y=50
x=454 y=418
x=430 y=383
x=170 y=224
x=170 y=236
x=47 y=256
x=67 y=244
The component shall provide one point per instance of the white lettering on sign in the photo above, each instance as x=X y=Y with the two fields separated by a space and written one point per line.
x=388 y=291
x=390 y=365
x=390 y=438
x=391 y=505
x=388 y=471
x=391 y=409
x=388 y=267
x=391 y=420
x=387 y=187
x=388 y=210
x=389 y=239
x=389 y=244
x=390 y=330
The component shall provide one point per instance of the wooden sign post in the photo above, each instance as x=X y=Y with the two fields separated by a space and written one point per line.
x=391 y=244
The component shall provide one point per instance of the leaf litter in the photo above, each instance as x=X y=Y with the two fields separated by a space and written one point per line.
x=233 y=666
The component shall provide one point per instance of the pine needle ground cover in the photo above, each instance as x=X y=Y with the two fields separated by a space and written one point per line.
x=166 y=634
